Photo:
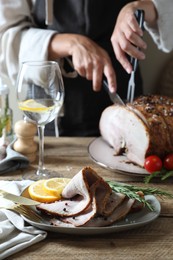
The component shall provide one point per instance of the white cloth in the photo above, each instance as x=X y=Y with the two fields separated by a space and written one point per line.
x=13 y=161
x=15 y=233
x=17 y=29
x=162 y=34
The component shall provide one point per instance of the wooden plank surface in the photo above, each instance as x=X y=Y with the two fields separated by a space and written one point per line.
x=153 y=241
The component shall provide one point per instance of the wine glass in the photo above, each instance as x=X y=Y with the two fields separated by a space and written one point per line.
x=40 y=95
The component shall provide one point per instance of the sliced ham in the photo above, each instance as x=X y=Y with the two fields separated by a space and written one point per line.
x=88 y=201
x=81 y=219
x=101 y=221
x=114 y=201
x=89 y=215
x=77 y=195
x=119 y=212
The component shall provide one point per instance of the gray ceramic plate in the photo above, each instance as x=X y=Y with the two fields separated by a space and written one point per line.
x=133 y=220
x=103 y=154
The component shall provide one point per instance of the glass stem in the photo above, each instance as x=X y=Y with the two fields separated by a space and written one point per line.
x=41 y=167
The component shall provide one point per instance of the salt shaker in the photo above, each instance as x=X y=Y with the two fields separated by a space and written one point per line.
x=25 y=143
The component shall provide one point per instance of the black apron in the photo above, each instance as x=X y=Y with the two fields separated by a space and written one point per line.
x=95 y=19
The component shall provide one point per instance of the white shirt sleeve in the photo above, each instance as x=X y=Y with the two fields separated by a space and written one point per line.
x=162 y=34
x=20 y=40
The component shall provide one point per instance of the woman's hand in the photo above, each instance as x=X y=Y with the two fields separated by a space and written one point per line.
x=89 y=59
x=127 y=34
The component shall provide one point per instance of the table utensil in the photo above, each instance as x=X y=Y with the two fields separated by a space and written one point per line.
x=40 y=95
x=115 y=98
x=131 y=85
x=24 y=211
x=18 y=199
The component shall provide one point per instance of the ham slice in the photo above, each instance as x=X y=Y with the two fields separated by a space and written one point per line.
x=120 y=212
x=119 y=207
x=77 y=195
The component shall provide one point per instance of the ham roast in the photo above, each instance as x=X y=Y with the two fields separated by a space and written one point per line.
x=87 y=201
x=139 y=129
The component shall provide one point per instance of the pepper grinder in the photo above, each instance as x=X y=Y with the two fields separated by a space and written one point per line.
x=25 y=144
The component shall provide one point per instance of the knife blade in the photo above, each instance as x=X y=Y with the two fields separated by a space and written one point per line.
x=115 y=98
x=18 y=199
x=139 y=14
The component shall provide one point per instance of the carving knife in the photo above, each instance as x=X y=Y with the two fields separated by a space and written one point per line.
x=18 y=199
x=115 y=98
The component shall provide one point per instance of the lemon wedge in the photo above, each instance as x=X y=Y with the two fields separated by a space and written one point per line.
x=38 y=193
x=33 y=106
x=55 y=186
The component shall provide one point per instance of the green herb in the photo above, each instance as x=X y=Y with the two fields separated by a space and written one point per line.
x=3 y=122
x=131 y=192
x=167 y=175
x=163 y=175
x=148 y=178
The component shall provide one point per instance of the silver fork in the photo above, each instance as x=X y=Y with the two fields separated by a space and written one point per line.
x=139 y=14
x=26 y=211
x=131 y=88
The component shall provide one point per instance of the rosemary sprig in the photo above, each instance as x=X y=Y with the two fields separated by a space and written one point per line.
x=167 y=175
x=130 y=191
x=163 y=175
x=148 y=178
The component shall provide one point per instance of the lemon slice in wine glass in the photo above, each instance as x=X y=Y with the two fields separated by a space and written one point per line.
x=33 y=106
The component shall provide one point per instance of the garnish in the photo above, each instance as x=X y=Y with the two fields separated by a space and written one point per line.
x=3 y=122
x=164 y=172
x=153 y=163
x=131 y=192
x=163 y=175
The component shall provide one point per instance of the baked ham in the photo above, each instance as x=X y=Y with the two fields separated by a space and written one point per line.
x=87 y=201
x=139 y=129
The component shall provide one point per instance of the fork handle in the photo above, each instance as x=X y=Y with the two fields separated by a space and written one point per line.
x=139 y=14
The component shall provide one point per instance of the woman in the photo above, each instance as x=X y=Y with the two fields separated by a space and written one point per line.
x=77 y=33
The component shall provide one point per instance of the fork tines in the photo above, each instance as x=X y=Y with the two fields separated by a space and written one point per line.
x=27 y=212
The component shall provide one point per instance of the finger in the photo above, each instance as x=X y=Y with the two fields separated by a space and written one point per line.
x=127 y=36
x=133 y=38
x=97 y=76
x=111 y=77
x=122 y=58
x=89 y=70
x=134 y=25
x=125 y=46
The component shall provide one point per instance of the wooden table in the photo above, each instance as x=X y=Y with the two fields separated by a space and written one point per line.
x=153 y=241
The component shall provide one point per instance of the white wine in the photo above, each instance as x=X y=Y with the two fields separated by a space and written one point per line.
x=40 y=111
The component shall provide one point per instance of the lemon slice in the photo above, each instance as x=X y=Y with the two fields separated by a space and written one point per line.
x=55 y=186
x=37 y=192
x=33 y=106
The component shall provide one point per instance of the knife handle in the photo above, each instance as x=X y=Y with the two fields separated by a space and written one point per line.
x=139 y=14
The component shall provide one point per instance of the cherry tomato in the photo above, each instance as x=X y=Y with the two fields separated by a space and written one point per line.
x=168 y=162
x=153 y=163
